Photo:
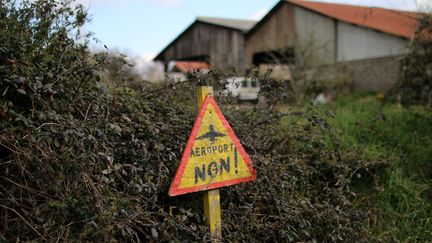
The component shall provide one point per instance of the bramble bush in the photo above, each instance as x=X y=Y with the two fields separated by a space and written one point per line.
x=83 y=162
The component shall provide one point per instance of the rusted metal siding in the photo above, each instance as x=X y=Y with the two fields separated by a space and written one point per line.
x=274 y=33
x=223 y=48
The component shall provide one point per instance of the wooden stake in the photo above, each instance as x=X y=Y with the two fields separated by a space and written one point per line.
x=212 y=213
x=202 y=93
x=211 y=200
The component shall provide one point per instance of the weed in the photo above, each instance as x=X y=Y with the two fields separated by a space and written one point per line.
x=402 y=203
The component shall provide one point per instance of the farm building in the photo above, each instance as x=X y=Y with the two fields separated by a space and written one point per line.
x=216 y=41
x=363 y=42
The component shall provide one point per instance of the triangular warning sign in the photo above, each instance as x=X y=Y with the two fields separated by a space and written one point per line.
x=213 y=156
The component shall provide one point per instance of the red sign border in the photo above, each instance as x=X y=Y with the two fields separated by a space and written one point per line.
x=174 y=188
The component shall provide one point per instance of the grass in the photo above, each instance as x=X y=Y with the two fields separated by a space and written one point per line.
x=401 y=208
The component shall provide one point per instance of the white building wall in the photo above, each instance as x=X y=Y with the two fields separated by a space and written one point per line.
x=356 y=43
x=316 y=29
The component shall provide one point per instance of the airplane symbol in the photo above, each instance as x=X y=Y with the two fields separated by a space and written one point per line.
x=212 y=134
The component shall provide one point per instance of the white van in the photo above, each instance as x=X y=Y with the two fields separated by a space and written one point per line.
x=244 y=89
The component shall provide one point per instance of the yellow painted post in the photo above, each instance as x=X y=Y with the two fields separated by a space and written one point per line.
x=203 y=91
x=212 y=210
x=212 y=213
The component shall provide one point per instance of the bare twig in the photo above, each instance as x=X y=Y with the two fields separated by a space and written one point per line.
x=46 y=124
x=28 y=223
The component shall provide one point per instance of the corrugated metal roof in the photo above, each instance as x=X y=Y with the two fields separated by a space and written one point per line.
x=395 y=22
x=239 y=24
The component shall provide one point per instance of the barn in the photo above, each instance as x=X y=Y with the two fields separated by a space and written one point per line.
x=219 y=42
x=363 y=42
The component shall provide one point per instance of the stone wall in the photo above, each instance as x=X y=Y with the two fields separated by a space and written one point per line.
x=378 y=74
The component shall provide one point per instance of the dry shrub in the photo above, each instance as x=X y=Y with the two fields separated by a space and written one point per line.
x=104 y=174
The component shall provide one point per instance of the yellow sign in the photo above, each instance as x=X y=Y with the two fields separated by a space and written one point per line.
x=213 y=156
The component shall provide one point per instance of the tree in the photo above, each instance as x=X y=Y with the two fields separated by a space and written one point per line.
x=297 y=68
x=415 y=84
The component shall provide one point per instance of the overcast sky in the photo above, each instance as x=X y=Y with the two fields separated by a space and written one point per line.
x=142 y=28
